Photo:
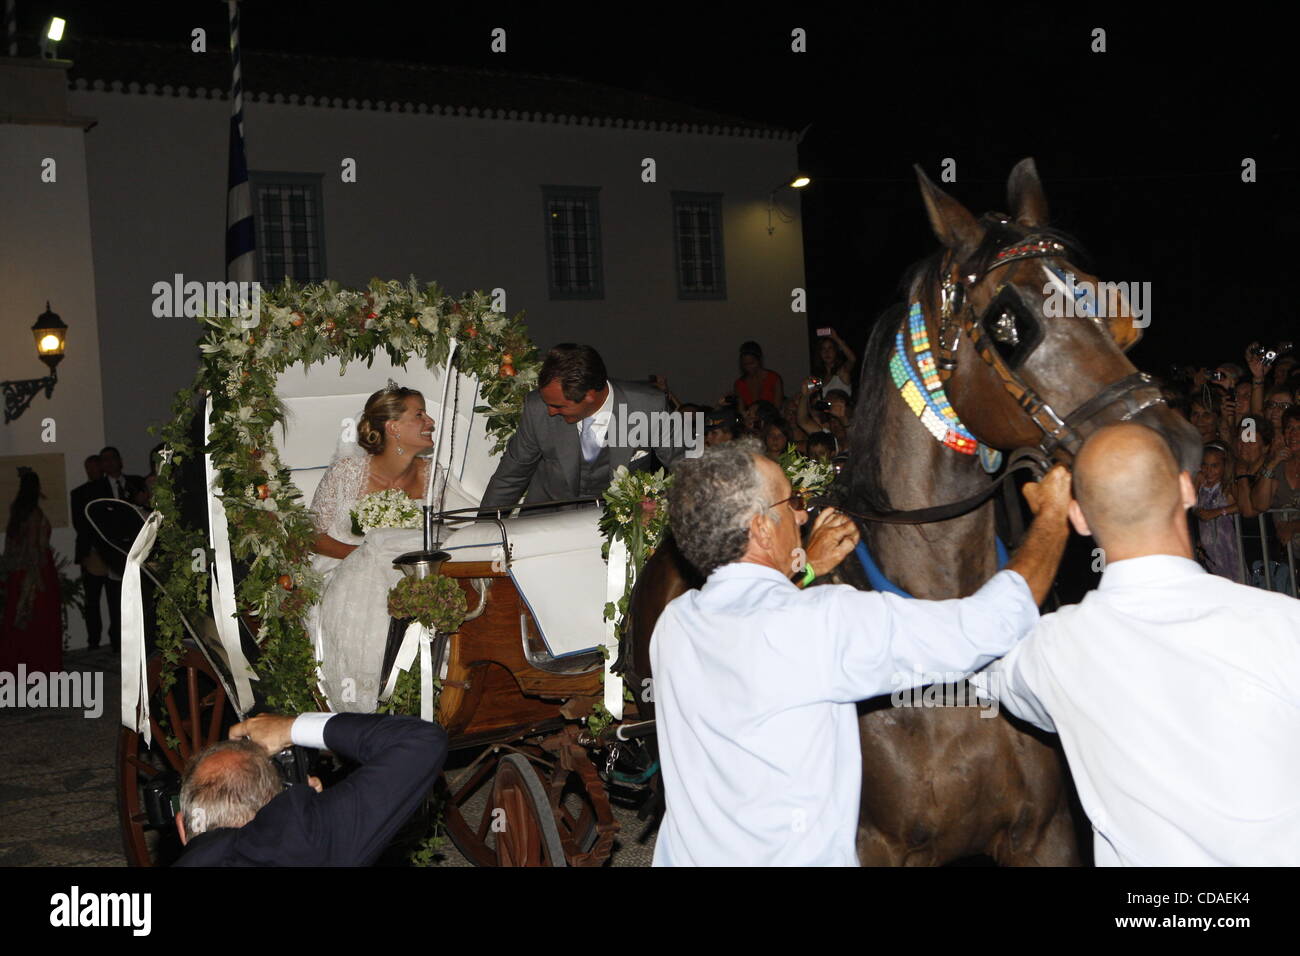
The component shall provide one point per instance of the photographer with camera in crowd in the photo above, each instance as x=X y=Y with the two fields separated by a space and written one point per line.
x=236 y=810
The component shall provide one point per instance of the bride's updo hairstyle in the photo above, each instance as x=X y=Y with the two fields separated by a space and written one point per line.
x=386 y=405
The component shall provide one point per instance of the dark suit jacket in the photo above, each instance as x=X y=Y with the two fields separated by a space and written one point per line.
x=350 y=823
x=120 y=523
x=85 y=535
x=544 y=455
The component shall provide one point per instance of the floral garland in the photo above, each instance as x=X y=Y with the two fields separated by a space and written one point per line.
x=636 y=512
x=271 y=531
x=808 y=476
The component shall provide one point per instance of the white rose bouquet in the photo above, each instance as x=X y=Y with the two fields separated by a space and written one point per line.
x=386 y=509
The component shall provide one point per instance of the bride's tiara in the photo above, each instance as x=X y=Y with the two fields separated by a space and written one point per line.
x=391 y=387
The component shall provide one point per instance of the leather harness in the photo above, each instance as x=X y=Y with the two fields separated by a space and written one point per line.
x=1135 y=392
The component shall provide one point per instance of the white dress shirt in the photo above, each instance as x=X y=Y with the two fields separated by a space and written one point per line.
x=1177 y=697
x=308 y=730
x=754 y=690
x=600 y=417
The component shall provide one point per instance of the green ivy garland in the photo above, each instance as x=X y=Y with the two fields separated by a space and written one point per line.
x=271 y=530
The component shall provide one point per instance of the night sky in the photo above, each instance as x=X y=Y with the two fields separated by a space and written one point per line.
x=1140 y=147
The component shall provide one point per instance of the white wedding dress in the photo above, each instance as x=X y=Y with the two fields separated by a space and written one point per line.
x=350 y=624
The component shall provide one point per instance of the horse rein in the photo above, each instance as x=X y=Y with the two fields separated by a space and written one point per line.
x=1023 y=459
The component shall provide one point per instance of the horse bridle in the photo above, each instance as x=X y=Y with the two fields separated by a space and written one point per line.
x=987 y=332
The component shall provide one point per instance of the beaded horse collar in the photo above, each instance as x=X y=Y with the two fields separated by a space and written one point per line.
x=917 y=380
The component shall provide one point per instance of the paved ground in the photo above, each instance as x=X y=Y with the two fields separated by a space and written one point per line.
x=57 y=790
x=58 y=800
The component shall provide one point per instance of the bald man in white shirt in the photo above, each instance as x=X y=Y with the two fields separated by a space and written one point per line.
x=1176 y=692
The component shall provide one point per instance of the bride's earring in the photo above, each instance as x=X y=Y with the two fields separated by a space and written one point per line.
x=399 y=444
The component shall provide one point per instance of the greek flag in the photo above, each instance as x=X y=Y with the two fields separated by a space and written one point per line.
x=240 y=263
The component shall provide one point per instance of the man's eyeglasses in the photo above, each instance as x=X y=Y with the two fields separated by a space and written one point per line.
x=1282 y=405
x=797 y=502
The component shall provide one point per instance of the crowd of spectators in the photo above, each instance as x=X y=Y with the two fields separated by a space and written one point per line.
x=815 y=420
x=1247 y=416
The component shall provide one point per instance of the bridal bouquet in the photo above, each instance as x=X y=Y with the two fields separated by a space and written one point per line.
x=386 y=509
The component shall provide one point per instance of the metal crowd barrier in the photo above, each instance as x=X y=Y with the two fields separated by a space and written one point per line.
x=1264 y=534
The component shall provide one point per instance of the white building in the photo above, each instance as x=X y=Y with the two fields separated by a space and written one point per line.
x=634 y=224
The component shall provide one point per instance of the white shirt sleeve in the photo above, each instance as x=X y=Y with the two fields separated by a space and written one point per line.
x=308 y=730
x=883 y=642
x=1008 y=682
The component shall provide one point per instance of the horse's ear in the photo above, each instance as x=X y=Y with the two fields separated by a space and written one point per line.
x=952 y=223
x=1025 y=196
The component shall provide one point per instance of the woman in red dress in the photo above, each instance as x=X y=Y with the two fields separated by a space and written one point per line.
x=33 y=625
x=756 y=382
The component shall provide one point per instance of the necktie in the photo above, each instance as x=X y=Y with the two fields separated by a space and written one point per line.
x=587 y=437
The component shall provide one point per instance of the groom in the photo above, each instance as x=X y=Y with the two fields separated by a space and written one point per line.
x=578 y=427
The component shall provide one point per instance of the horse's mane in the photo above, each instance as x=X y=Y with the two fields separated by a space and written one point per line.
x=862 y=486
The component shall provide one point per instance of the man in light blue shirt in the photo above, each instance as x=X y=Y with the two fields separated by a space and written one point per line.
x=755 y=679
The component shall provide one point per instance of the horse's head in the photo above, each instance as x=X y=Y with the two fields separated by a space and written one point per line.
x=1031 y=346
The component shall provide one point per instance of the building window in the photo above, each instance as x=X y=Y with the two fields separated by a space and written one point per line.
x=290 y=226
x=697 y=241
x=573 y=266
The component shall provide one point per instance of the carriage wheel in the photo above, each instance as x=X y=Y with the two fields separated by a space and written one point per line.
x=468 y=804
x=198 y=714
x=521 y=817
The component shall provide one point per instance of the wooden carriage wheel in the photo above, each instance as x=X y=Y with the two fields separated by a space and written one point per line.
x=568 y=808
x=520 y=817
x=498 y=812
x=198 y=714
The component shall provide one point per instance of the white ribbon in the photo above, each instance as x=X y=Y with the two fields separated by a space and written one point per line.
x=442 y=419
x=616 y=583
x=416 y=638
x=223 y=580
x=135 y=667
x=426 y=675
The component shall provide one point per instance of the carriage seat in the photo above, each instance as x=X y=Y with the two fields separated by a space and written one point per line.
x=556 y=566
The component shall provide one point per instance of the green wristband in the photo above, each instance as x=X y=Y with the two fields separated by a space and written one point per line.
x=808 y=575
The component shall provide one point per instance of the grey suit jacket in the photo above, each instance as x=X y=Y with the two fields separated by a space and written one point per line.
x=544 y=455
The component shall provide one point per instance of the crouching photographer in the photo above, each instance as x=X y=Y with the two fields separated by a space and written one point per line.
x=236 y=812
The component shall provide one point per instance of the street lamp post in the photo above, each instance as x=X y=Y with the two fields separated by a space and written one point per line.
x=51 y=334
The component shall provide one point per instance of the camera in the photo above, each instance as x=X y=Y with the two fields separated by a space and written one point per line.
x=813 y=385
x=820 y=405
x=1271 y=355
x=1218 y=376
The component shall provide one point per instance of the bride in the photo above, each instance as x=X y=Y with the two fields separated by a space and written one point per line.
x=350 y=625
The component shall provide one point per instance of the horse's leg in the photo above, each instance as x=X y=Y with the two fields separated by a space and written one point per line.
x=877 y=849
x=1043 y=832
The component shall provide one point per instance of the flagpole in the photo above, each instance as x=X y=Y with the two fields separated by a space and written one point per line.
x=240 y=240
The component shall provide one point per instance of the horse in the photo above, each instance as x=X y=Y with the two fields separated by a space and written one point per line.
x=999 y=358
